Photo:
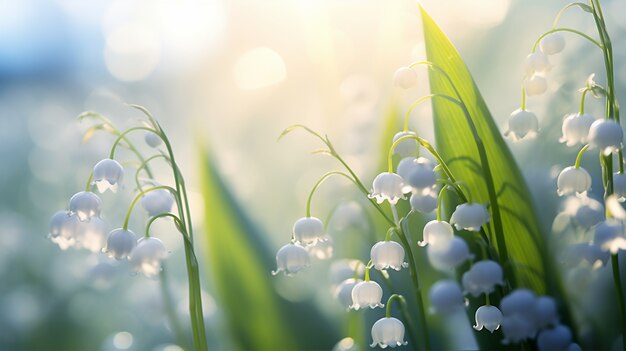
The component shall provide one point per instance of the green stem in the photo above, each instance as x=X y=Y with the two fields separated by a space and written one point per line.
x=417 y=102
x=317 y=185
x=89 y=182
x=582 y=101
x=144 y=165
x=170 y=311
x=523 y=106
x=565 y=8
x=580 y=155
x=392 y=298
x=122 y=136
x=619 y=290
x=439 y=202
x=367 y=273
x=595 y=42
x=177 y=221
x=138 y=196
x=409 y=323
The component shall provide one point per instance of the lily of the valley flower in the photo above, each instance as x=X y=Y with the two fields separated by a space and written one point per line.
x=157 y=202
x=388 y=254
x=366 y=294
x=152 y=139
x=422 y=175
x=85 y=205
x=322 y=250
x=450 y=256
x=93 y=235
x=576 y=128
x=343 y=292
x=607 y=135
x=557 y=338
x=537 y=62
x=488 y=317
x=437 y=233
x=609 y=236
x=388 y=332
x=522 y=124
x=552 y=43
x=64 y=229
x=589 y=212
x=146 y=257
x=107 y=174
x=390 y=187
x=470 y=216
x=120 y=243
x=535 y=85
x=291 y=258
x=483 y=277
x=405 y=78
x=407 y=147
x=309 y=230
x=424 y=201
x=446 y=297
x=573 y=180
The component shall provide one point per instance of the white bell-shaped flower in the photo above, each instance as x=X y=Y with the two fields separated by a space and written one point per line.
x=120 y=243
x=366 y=294
x=446 y=297
x=390 y=187
x=93 y=235
x=157 y=202
x=309 y=230
x=85 y=205
x=522 y=124
x=343 y=292
x=107 y=174
x=535 y=85
x=488 y=317
x=291 y=258
x=56 y=223
x=609 y=236
x=422 y=175
x=405 y=78
x=483 y=277
x=552 y=43
x=576 y=128
x=520 y=302
x=449 y=257
x=573 y=180
x=388 y=254
x=545 y=313
x=146 y=257
x=64 y=229
x=152 y=139
x=607 y=135
x=516 y=329
x=405 y=166
x=424 y=201
x=556 y=339
x=437 y=233
x=322 y=250
x=619 y=185
x=537 y=62
x=589 y=213
x=388 y=332
x=470 y=216
x=407 y=147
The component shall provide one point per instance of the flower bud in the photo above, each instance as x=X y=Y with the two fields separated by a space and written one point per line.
x=120 y=243
x=85 y=205
x=437 y=233
x=388 y=332
x=607 y=135
x=535 y=85
x=522 y=124
x=488 y=317
x=366 y=294
x=107 y=174
x=483 y=277
x=422 y=175
x=552 y=43
x=291 y=258
x=388 y=254
x=572 y=179
x=405 y=78
x=609 y=236
x=537 y=62
x=450 y=257
x=424 y=201
x=56 y=223
x=146 y=257
x=152 y=139
x=470 y=216
x=576 y=128
x=555 y=339
x=157 y=202
x=309 y=230
x=406 y=147
x=619 y=185
x=390 y=187
x=446 y=297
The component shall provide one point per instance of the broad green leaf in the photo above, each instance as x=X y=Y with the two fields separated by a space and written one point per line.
x=240 y=262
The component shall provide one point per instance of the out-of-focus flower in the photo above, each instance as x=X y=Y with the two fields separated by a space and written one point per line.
x=607 y=135
x=535 y=85
x=146 y=257
x=93 y=235
x=388 y=254
x=619 y=185
x=422 y=175
x=85 y=205
x=405 y=78
x=291 y=258
x=446 y=297
x=424 y=201
x=449 y=257
x=537 y=62
x=388 y=332
x=107 y=175
x=470 y=216
x=609 y=236
x=437 y=233
x=406 y=147
x=488 y=317
x=157 y=202
x=152 y=139
x=120 y=243
x=558 y=338
x=343 y=292
x=322 y=250
x=390 y=187
x=483 y=277
x=552 y=43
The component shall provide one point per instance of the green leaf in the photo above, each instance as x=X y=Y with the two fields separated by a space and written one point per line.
x=240 y=262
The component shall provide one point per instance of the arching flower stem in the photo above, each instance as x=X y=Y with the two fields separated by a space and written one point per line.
x=580 y=155
x=122 y=136
x=590 y=39
x=89 y=182
x=319 y=182
x=139 y=196
x=567 y=7
x=391 y=300
x=177 y=222
x=582 y=100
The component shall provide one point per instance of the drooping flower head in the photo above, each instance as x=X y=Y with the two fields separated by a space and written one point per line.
x=437 y=233
x=152 y=139
x=573 y=180
x=576 y=128
x=322 y=250
x=309 y=230
x=545 y=313
x=483 y=277
x=64 y=229
x=407 y=147
x=607 y=135
x=589 y=212
x=120 y=243
x=488 y=317
x=424 y=201
x=107 y=175
x=388 y=332
x=535 y=85
x=609 y=236
x=366 y=294
x=147 y=256
x=537 y=62
x=291 y=259
x=557 y=338
x=522 y=124
x=388 y=254
x=446 y=297
x=343 y=292
x=157 y=202
x=390 y=187
x=422 y=175
x=405 y=78
x=552 y=43
x=449 y=257
x=470 y=216
x=85 y=205
x=93 y=235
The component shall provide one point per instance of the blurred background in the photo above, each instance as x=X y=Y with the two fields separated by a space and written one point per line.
x=225 y=78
